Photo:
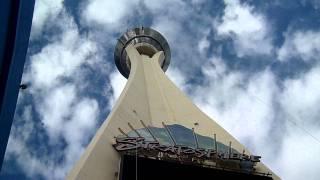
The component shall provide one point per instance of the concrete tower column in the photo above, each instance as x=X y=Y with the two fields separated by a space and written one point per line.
x=149 y=99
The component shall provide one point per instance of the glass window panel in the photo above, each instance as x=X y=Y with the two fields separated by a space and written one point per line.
x=205 y=142
x=132 y=134
x=182 y=135
x=162 y=136
x=145 y=133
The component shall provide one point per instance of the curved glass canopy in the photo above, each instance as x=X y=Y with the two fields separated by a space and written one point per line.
x=179 y=135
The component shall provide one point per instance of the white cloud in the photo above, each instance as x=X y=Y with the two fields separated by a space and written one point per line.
x=183 y=46
x=168 y=27
x=45 y=12
x=301 y=98
x=197 y=2
x=257 y=104
x=230 y=98
x=78 y=129
x=299 y=158
x=301 y=44
x=165 y=5
x=203 y=45
x=176 y=76
x=84 y=115
x=117 y=82
x=55 y=108
x=299 y=101
x=107 y=13
x=248 y=29
x=75 y=130
x=17 y=148
x=61 y=57
x=30 y=165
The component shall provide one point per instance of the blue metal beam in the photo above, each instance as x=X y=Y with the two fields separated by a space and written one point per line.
x=15 y=22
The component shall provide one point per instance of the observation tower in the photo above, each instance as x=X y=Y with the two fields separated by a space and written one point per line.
x=155 y=131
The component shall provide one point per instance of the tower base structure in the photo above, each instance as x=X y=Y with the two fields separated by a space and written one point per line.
x=154 y=131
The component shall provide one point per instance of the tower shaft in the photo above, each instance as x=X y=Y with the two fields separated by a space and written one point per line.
x=148 y=99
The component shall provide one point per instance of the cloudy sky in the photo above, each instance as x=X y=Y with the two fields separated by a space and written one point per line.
x=251 y=65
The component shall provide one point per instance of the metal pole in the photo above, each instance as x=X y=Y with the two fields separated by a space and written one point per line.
x=122 y=132
x=131 y=127
x=195 y=138
x=215 y=143
x=147 y=128
x=164 y=125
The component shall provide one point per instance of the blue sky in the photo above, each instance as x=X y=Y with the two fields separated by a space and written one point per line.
x=253 y=66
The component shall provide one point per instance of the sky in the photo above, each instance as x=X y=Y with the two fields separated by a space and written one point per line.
x=253 y=66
